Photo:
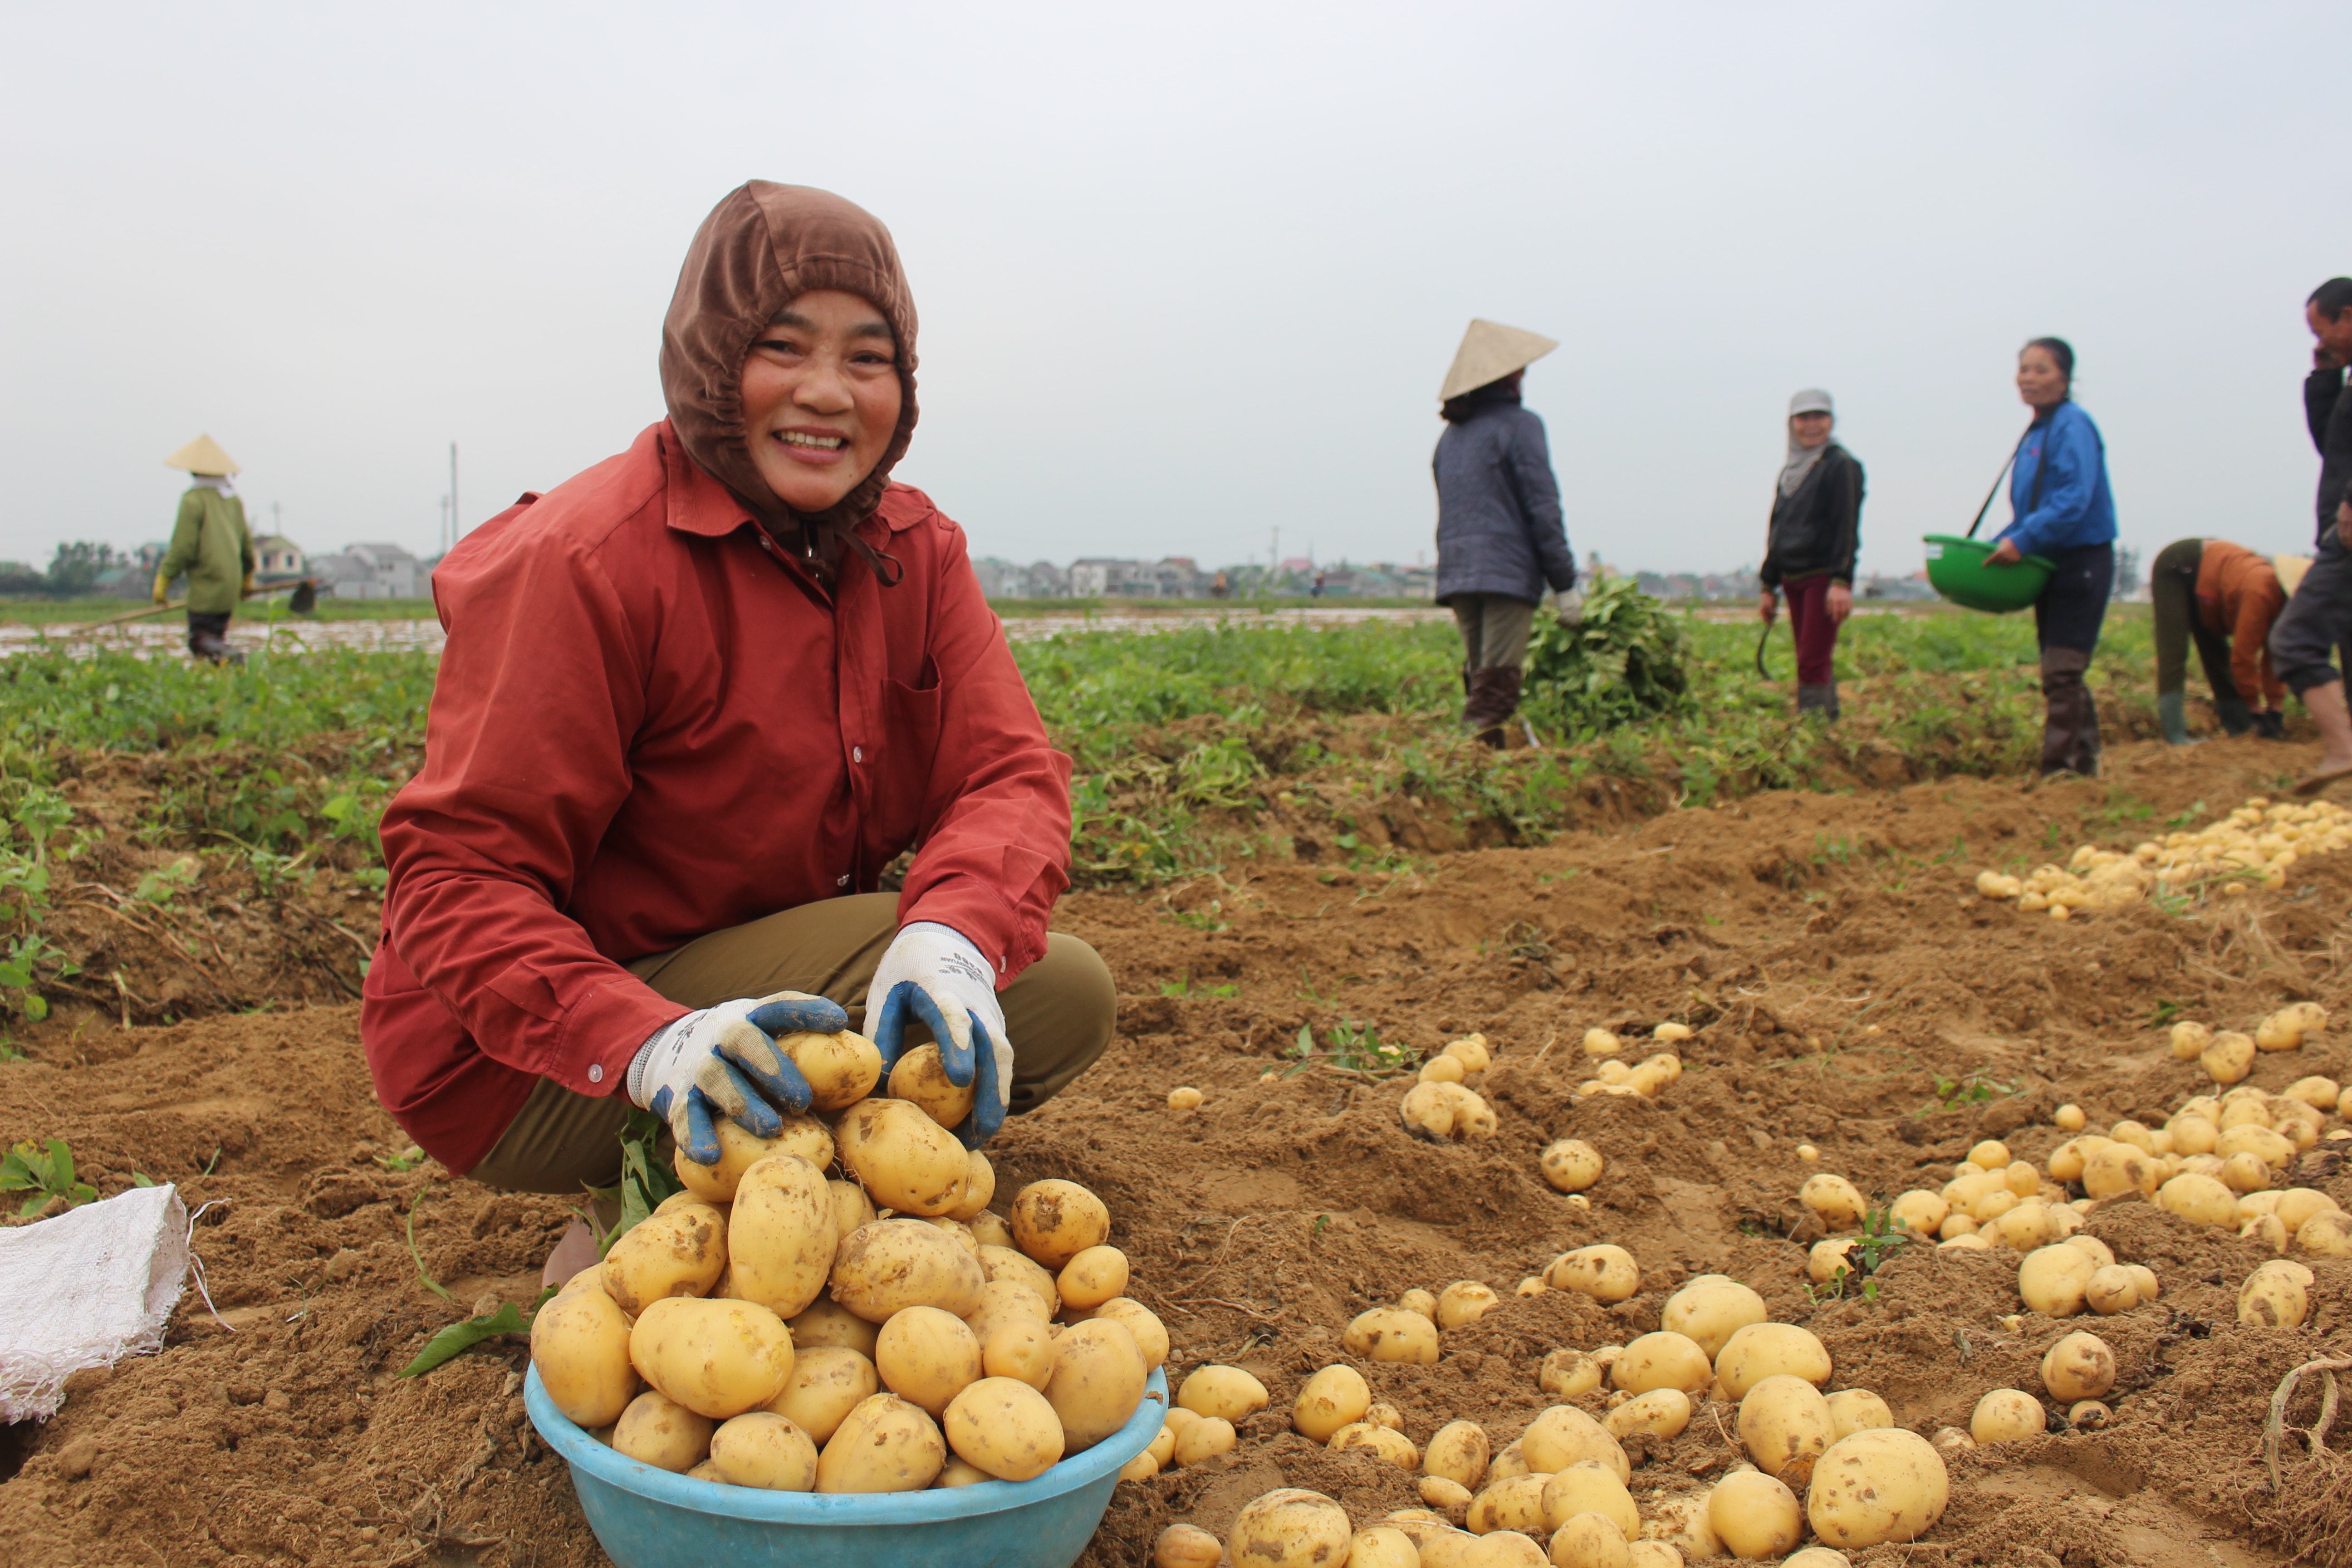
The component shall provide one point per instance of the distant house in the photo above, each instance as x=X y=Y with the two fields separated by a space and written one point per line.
x=277 y=559
x=369 y=572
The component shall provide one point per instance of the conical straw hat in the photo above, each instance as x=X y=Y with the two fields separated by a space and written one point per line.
x=2290 y=570
x=1489 y=351
x=202 y=456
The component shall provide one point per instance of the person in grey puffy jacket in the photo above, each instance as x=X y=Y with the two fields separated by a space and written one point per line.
x=1500 y=541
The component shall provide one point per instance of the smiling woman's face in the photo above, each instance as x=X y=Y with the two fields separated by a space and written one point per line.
x=821 y=398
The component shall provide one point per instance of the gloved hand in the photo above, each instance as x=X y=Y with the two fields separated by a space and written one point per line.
x=935 y=974
x=2236 y=717
x=247 y=590
x=163 y=589
x=1569 y=603
x=724 y=1061
x=2271 y=726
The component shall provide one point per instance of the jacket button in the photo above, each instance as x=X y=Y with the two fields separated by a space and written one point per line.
x=856 y=754
x=595 y=1072
x=840 y=881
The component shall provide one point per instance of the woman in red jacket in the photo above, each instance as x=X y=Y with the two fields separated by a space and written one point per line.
x=693 y=702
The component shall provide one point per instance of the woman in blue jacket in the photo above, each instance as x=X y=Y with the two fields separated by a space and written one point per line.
x=2065 y=513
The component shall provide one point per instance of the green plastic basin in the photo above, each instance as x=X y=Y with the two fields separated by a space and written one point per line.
x=1957 y=570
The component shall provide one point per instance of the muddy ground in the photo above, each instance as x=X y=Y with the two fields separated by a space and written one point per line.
x=1843 y=980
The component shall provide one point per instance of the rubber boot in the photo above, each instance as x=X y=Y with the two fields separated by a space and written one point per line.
x=2070 y=728
x=1489 y=706
x=2171 y=709
x=1816 y=702
x=2236 y=717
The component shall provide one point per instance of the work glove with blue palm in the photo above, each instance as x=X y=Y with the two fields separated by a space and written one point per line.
x=724 y=1061
x=934 y=976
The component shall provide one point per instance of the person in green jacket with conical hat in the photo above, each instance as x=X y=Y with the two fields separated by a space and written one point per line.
x=211 y=543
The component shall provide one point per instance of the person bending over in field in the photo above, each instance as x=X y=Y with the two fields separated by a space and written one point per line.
x=2224 y=597
x=694 y=701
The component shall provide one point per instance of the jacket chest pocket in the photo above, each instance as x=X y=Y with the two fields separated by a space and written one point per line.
x=910 y=743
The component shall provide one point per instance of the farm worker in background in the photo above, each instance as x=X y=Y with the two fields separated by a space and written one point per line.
x=2318 y=619
x=211 y=544
x=2325 y=408
x=2224 y=597
x=1810 y=545
x=2065 y=512
x=1499 y=538
x=695 y=702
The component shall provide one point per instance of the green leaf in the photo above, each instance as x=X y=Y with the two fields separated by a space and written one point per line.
x=460 y=1337
x=646 y=1178
x=36 y=1007
x=431 y=1283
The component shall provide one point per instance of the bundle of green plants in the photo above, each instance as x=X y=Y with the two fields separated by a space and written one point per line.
x=1625 y=662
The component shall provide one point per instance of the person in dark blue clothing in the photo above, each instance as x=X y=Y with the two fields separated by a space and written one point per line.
x=2065 y=513
x=1500 y=542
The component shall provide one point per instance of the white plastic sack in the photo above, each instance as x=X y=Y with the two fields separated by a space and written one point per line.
x=86 y=1288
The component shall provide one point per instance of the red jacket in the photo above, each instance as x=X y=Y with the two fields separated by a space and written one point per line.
x=2239 y=596
x=650 y=724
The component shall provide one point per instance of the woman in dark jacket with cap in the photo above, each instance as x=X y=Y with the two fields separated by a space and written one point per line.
x=1499 y=538
x=1810 y=545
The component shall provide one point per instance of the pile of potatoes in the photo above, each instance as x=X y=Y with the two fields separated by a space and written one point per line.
x=2228 y=1055
x=1648 y=1079
x=2253 y=846
x=2078 y=1371
x=771 y=1327
x=1441 y=1105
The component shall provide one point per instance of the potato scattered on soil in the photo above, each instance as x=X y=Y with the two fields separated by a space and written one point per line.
x=1186 y=1099
x=1571 y=1165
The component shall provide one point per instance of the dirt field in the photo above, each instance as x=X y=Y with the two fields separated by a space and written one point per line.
x=1826 y=947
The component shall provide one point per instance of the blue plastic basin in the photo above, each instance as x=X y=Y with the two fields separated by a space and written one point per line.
x=648 y=1518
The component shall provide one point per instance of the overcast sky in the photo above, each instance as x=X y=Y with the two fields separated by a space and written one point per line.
x=1187 y=273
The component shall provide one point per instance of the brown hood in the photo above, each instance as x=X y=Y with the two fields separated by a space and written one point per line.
x=763 y=246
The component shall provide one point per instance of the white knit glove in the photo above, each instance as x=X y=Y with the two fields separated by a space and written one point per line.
x=1569 y=603
x=724 y=1061
x=936 y=974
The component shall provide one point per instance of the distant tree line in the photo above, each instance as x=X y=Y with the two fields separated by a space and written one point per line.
x=74 y=573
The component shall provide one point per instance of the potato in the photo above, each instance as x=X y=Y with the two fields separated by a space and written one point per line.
x=2265 y=1231
x=1590 y=1538
x=1004 y=1302
x=1150 y=1334
x=1710 y=1310
x=1054 y=1221
x=1019 y=1349
x=1290 y=1528
x=2006 y=1415
x=681 y=1253
x=1571 y=1165
x=2145 y=1278
x=1392 y=1447
x=717 y=1358
x=1562 y=1436
x=1438 y=1493
x=1187 y=1546
x=920 y=1079
x=828 y=1322
x=2193 y=1134
x=906 y=1161
x=760 y=1448
x=1681 y=1522
x=1383 y=1546
x=2199 y=1199
x=998 y=1263
x=827 y=1382
x=1785 y=1424
x=2229 y=1059
x=1471 y=1051
x=2089 y=1415
x=657 y=1431
x=841 y=1069
x=1761 y=1350
x=1918 y=1211
x=979 y=1188
x=1663 y=1412
x=1006 y=1428
x=1566 y=1374
x=782 y=1234
x=927 y=1357
x=1225 y=1390
x=1513 y=1504
x=1419 y=1301
x=738 y=1151
x=1392 y=1333
x=1204 y=1439
x=2079 y=1366
x=1464 y=1301
x=1887 y=1484
x=2272 y=1299
x=1443 y=1069
x=1607 y=1274
x=2053 y=1280
x=1826 y=1262
x=1097 y=1382
x=2110 y=1291
x=2319 y=1093
x=851 y=1208
x=893 y=1264
x=2189 y=1039
x=884 y=1444
x=2270 y=1148
x=1093 y=1277
x=1509 y=1549
x=1512 y=1461
x=2027 y=1226
x=580 y=1342
x=1838 y=1202
x=1754 y=1515
x=990 y=1230
x=2113 y=1169
x=1855 y=1410
x=1330 y=1400
x=1457 y=1453
x=1662 y=1360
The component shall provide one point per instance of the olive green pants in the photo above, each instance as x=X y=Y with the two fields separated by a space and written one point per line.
x=1059 y=1013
